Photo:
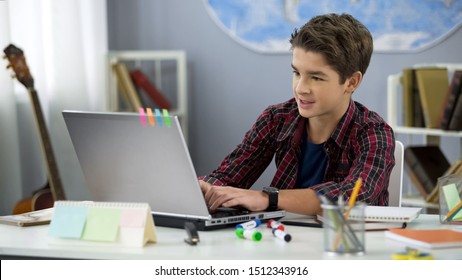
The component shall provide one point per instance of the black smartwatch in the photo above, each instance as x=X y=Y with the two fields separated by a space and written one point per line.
x=273 y=194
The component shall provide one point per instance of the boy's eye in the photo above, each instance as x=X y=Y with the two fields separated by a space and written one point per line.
x=316 y=78
x=295 y=72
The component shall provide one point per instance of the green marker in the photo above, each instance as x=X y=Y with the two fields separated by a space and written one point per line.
x=248 y=234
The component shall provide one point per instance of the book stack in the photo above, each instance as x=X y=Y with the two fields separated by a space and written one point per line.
x=137 y=90
x=431 y=98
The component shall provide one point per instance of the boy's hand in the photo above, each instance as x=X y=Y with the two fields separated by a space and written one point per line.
x=226 y=196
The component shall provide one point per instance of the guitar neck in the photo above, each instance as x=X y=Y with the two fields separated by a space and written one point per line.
x=52 y=167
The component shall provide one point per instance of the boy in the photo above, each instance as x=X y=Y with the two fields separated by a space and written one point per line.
x=322 y=140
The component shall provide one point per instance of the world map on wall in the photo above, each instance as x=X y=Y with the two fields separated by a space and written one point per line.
x=396 y=25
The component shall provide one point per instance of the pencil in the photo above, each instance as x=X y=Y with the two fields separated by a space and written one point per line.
x=353 y=197
x=355 y=192
x=453 y=212
x=351 y=203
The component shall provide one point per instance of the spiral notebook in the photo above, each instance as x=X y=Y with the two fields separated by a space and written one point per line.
x=388 y=214
x=34 y=218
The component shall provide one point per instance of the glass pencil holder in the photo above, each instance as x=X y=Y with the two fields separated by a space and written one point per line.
x=343 y=228
x=450 y=199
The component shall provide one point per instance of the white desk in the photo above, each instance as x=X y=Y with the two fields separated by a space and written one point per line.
x=32 y=242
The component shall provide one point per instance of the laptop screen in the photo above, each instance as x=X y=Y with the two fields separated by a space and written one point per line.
x=125 y=158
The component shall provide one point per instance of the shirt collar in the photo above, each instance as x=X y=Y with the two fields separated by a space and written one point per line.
x=296 y=127
x=344 y=125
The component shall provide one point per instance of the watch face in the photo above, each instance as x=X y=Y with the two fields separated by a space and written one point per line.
x=270 y=189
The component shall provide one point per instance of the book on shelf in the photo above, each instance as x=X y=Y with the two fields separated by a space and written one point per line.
x=408 y=96
x=428 y=238
x=412 y=107
x=126 y=86
x=433 y=85
x=425 y=164
x=34 y=218
x=451 y=100
x=455 y=122
x=143 y=83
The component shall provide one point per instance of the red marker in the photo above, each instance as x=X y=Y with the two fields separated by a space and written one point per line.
x=273 y=224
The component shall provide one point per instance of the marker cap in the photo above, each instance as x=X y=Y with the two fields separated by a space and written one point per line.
x=282 y=235
x=250 y=224
x=249 y=234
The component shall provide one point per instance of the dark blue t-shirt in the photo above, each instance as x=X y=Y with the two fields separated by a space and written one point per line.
x=313 y=162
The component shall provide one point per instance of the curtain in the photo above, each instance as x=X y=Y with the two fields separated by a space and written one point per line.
x=65 y=45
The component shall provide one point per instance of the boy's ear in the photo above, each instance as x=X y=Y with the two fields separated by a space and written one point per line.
x=354 y=81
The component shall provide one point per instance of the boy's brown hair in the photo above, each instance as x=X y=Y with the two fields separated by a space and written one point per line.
x=345 y=43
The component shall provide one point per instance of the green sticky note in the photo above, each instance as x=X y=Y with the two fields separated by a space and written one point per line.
x=102 y=224
x=451 y=195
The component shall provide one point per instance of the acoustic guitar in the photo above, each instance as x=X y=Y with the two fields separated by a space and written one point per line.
x=53 y=189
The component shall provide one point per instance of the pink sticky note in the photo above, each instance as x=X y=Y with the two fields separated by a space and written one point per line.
x=132 y=217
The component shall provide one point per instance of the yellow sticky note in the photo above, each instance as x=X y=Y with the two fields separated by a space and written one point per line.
x=102 y=224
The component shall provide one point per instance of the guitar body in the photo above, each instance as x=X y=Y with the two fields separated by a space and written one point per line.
x=53 y=191
x=41 y=199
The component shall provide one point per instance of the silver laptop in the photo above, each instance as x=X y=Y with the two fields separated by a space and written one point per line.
x=131 y=157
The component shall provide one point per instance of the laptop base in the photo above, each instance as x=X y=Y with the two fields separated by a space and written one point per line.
x=178 y=222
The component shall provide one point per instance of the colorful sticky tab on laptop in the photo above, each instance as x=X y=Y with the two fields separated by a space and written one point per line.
x=156 y=116
x=142 y=116
x=166 y=117
x=150 y=116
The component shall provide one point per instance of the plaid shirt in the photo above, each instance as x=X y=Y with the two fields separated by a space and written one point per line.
x=362 y=145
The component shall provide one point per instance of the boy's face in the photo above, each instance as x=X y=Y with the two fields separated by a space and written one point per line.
x=316 y=87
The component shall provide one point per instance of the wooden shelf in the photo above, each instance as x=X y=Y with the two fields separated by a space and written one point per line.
x=177 y=57
x=430 y=136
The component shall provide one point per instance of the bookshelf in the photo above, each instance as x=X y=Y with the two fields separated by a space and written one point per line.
x=430 y=136
x=168 y=72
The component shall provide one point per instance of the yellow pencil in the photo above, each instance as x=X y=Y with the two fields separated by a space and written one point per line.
x=353 y=197
x=351 y=203
x=355 y=192
x=453 y=212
